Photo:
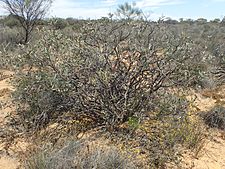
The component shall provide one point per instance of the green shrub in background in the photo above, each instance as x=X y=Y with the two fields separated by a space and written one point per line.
x=59 y=23
x=11 y=21
x=10 y=37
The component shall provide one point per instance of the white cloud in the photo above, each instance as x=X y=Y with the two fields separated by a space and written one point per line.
x=157 y=3
x=2 y=10
x=109 y=2
x=82 y=9
x=79 y=13
x=68 y=8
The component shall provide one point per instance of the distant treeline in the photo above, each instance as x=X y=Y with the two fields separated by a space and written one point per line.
x=60 y=23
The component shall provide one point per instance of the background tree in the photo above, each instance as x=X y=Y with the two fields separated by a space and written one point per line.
x=223 y=21
x=128 y=11
x=217 y=20
x=28 y=12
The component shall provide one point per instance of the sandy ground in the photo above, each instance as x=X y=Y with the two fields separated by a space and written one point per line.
x=212 y=155
x=6 y=161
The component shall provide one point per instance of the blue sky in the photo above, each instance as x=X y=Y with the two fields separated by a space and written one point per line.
x=175 y=9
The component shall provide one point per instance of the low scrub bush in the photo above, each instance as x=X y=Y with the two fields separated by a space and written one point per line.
x=158 y=139
x=80 y=155
x=11 y=21
x=215 y=118
x=10 y=36
x=107 y=73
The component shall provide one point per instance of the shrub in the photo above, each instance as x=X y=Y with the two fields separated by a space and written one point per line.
x=158 y=139
x=176 y=126
x=78 y=154
x=215 y=118
x=11 y=21
x=10 y=36
x=108 y=72
x=59 y=23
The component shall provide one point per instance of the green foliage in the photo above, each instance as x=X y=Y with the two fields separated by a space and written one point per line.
x=27 y=3
x=133 y=122
x=128 y=11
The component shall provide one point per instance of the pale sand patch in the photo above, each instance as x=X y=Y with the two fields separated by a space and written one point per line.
x=5 y=85
x=204 y=103
x=211 y=157
x=8 y=163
